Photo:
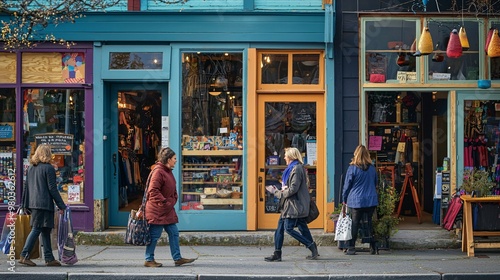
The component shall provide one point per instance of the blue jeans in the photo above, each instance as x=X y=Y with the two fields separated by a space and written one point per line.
x=173 y=240
x=30 y=243
x=279 y=235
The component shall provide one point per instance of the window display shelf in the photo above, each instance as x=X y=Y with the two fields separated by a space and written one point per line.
x=221 y=201
x=212 y=183
x=393 y=124
x=212 y=152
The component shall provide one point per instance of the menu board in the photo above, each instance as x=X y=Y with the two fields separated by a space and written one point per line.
x=61 y=144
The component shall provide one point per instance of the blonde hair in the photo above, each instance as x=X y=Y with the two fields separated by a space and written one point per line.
x=43 y=154
x=293 y=154
x=361 y=157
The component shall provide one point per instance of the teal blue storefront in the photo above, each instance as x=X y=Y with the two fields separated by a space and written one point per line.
x=142 y=62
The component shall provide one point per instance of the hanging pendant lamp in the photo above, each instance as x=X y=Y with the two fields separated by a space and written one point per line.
x=494 y=46
x=488 y=39
x=425 y=45
x=454 y=48
x=464 y=41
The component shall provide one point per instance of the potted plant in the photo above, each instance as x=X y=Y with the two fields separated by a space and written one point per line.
x=385 y=222
x=476 y=182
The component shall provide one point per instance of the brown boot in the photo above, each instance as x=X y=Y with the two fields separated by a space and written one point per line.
x=53 y=263
x=152 y=263
x=182 y=261
x=27 y=261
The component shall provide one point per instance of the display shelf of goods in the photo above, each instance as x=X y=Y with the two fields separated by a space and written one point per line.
x=212 y=180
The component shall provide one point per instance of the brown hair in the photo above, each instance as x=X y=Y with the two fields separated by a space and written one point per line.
x=42 y=154
x=165 y=154
x=361 y=157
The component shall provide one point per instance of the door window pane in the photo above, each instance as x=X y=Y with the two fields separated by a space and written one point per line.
x=274 y=68
x=212 y=131
x=289 y=125
x=56 y=117
x=305 y=69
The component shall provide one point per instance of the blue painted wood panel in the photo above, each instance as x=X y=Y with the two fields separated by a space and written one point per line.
x=182 y=27
x=288 y=4
x=236 y=5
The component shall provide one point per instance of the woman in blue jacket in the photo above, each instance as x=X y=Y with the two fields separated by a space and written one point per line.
x=359 y=192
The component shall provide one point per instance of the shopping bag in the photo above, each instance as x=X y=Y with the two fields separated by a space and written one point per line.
x=66 y=246
x=137 y=229
x=8 y=232
x=313 y=212
x=22 y=229
x=343 y=229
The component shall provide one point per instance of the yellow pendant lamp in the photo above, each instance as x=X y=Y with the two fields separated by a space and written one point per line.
x=425 y=45
x=494 y=46
x=488 y=39
x=463 y=39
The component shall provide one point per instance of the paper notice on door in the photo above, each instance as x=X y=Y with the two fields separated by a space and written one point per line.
x=312 y=156
x=165 y=124
x=74 y=193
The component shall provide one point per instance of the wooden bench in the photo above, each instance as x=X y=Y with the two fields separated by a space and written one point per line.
x=468 y=233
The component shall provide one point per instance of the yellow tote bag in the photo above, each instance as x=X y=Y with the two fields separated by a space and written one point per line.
x=22 y=230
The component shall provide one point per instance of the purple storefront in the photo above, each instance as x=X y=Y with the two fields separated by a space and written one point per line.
x=46 y=97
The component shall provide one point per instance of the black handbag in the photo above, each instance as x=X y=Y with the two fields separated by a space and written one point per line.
x=313 y=212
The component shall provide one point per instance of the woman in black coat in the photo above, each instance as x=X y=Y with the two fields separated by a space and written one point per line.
x=39 y=194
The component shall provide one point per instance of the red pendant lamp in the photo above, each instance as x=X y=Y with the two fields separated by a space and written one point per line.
x=454 y=48
x=464 y=41
x=488 y=39
x=494 y=46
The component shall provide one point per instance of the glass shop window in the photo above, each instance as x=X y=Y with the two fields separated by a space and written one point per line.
x=290 y=68
x=212 y=131
x=135 y=60
x=482 y=138
x=389 y=45
x=465 y=66
x=56 y=117
x=7 y=143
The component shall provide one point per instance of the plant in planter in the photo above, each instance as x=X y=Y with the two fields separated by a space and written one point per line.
x=384 y=225
x=477 y=182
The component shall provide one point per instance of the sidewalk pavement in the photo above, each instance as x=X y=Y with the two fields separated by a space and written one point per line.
x=247 y=262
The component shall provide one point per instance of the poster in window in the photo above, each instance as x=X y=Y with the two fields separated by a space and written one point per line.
x=74 y=193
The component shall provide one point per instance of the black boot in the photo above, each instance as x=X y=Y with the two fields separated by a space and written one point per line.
x=275 y=257
x=373 y=248
x=314 y=251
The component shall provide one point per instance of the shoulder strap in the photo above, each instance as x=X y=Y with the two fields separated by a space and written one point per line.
x=145 y=196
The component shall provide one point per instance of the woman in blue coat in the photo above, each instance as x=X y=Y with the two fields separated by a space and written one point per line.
x=359 y=192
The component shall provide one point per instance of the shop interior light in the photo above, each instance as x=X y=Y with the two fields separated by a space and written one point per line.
x=488 y=39
x=464 y=41
x=494 y=47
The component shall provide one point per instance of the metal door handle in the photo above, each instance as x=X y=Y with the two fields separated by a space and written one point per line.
x=261 y=198
x=114 y=163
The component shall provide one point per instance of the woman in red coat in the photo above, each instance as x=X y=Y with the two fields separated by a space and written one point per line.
x=160 y=208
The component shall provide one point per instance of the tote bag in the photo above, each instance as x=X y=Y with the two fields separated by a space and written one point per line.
x=138 y=228
x=22 y=229
x=65 y=240
x=343 y=229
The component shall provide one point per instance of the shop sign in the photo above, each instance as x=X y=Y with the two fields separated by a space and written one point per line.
x=61 y=144
x=404 y=76
x=7 y=131
x=441 y=76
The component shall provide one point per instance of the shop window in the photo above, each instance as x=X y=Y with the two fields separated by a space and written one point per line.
x=290 y=69
x=53 y=68
x=56 y=117
x=389 y=45
x=442 y=67
x=7 y=142
x=212 y=131
x=135 y=60
x=8 y=63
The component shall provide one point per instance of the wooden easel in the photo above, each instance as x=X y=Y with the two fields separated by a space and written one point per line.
x=409 y=180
